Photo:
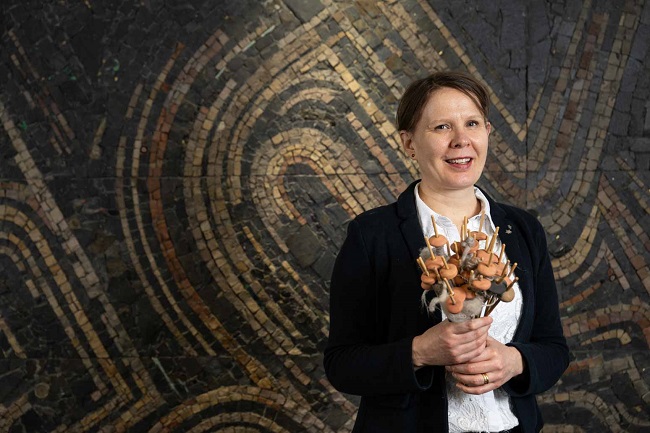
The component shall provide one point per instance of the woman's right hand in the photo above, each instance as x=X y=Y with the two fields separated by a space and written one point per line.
x=451 y=343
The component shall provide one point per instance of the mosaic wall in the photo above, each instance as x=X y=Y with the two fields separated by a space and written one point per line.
x=176 y=178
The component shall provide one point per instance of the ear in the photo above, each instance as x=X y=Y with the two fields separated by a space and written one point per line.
x=488 y=126
x=407 y=141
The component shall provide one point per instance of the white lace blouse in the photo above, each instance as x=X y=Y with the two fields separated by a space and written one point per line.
x=492 y=411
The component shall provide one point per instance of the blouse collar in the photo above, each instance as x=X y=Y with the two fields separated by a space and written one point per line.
x=425 y=212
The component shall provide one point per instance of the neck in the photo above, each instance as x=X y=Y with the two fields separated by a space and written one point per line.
x=454 y=204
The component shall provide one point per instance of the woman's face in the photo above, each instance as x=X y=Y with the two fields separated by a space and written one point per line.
x=450 y=141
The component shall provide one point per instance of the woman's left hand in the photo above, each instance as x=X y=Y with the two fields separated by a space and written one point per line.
x=496 y=365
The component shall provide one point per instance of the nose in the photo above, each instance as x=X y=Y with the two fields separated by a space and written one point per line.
x=460 y=140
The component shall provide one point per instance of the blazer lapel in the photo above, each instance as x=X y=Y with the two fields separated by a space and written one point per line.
x=414 y=239
x=410 y=224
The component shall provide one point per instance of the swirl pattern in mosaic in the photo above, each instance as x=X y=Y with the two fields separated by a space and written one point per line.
x=176 y=179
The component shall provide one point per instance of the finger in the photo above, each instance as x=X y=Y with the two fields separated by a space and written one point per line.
x=471 y=349
x=464 y=335
x=479 y=336
x=469 y=325
x=470 y=368
x=475 y=390
x=479 y=324
x=464 y=354
x=478 y=381
x=471 y=380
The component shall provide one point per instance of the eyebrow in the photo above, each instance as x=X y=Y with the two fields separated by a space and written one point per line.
x=447 y=120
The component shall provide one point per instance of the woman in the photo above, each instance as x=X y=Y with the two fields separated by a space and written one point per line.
x=416 y=371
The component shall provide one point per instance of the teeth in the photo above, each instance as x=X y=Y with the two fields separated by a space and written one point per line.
x=459 y=161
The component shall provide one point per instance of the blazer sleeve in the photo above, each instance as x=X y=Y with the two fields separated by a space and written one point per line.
x=545 y=352
x=358 y=358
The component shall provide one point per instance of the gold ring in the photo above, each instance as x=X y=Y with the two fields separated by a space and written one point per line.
x=486 y=379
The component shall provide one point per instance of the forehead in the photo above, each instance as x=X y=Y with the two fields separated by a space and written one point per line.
x=449 y=101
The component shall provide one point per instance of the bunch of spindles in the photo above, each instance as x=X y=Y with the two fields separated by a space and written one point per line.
x=463 y=271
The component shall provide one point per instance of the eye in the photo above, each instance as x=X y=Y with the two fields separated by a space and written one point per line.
x=473 y=123
x=443 y=126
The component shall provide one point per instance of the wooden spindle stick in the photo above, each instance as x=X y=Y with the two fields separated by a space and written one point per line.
x=492 y=241
x=450 y=292
x=491 y=308
x=505 y=269
x=423 y=266
x=426 y=239
x=463 y=229
x=512 y=270
x=503 y=248
x=435 y=229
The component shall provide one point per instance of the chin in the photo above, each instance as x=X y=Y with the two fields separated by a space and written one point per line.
x=450 y=181
x=464 y=184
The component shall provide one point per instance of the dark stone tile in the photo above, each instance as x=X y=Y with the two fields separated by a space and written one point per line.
x=305 y=9
x=163 y=302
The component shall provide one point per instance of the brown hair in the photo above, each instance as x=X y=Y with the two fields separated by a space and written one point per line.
x=417 y=94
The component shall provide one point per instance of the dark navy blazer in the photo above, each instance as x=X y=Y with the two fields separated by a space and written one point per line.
x=375 y=312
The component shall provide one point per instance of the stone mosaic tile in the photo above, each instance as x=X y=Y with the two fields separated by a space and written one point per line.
x=176 y=179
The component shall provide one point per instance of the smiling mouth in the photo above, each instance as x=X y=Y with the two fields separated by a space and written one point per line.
x=459 y=161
